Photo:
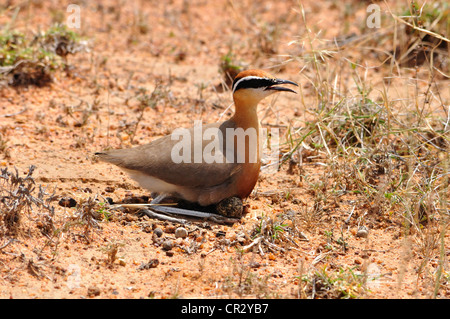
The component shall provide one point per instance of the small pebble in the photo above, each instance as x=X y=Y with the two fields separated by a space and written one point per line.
x=152 y=263
x=170 y=229
x=167 y=245
x=181 y=232
x=109 y=189
x=254 y=264
x=93 y=291
x=67 y=202
x=158 y=232
x=147 y=228
x=220 y=233
x=362 y=232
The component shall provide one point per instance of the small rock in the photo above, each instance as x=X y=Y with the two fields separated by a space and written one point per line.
x=220 y=233
x=93 y=291
x=167 y=245
x=181 y=232
x=254 y=264
x=131 y=199
x=277 y=274
x=152 y=263
x=158 y=232
x=362 y=232
x=147 y=228
x=130 y=218
x=170 y=229
x=109 y=189
x=67 y=202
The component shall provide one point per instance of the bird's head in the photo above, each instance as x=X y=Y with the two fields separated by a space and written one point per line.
x=251 y=86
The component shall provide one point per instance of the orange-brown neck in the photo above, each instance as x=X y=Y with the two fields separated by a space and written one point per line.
x=246 y=117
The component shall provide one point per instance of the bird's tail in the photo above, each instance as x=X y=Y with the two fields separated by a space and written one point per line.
x=108 y=157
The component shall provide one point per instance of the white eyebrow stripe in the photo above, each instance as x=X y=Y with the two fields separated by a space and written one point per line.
x=249 y=77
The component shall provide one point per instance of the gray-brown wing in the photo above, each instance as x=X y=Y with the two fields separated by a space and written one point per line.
x=161 y=159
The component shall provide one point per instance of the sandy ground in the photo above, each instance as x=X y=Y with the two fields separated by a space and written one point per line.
x=179 y=45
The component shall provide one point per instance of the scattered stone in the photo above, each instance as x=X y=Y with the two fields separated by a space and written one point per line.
x=131 y=199
x=277 y=274
x=93 y=291
x=362 y=232
x=220 y=233
x=158 y=232
x=130 y=218
x=152 y=263
x=147 y=228
x=67 y=202
x=254 y=264
x=170 y=229
x=181 y=232
x=167 y=245
x=109 y=189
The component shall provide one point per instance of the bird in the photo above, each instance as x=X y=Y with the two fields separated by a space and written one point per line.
x=205 y=164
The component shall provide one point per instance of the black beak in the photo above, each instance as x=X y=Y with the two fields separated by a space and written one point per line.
x=276 y=82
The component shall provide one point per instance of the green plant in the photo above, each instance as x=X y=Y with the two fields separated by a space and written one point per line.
x=103 y=211
x=229 y=68
x=31 y=61
x=324 y=283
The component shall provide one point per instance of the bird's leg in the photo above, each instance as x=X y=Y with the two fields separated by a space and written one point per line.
x=194 y=213
x=174 y=210
x=180 y=211
x=158 y=199
x=155 y=208
x=156 y=205
x=150 y=213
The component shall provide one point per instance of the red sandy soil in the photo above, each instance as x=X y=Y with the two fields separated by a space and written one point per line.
x=179 y=44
